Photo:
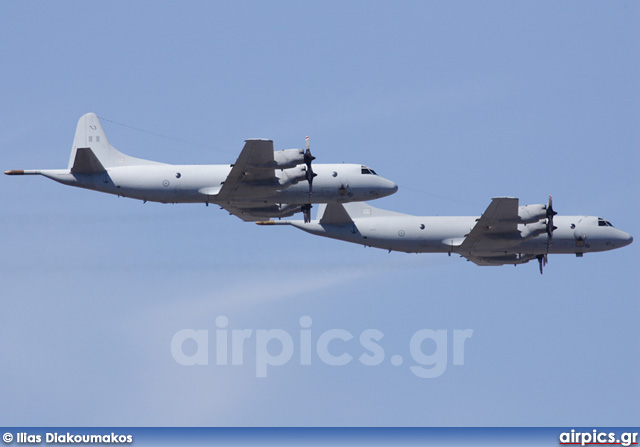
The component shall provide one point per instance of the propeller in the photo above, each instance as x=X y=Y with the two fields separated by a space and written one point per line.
x=550 y=226
x=542 y=261
x=306 y=212
x=308 y=158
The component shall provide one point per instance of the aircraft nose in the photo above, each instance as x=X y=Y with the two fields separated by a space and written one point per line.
x=386 y=188
x=621 y=239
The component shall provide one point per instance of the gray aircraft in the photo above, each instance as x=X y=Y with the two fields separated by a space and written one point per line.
x=506 y=233
x=262 y=183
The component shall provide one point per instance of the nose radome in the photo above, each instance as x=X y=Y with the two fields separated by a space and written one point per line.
x=625 y=239
x=386 y=188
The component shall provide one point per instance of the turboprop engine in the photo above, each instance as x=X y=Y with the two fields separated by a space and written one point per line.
x=532 y=213
x=292 y=176
x=533 y=229
x=288 y=158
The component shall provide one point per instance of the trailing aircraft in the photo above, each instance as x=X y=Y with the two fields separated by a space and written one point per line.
x=262 y=183
x=505 y=233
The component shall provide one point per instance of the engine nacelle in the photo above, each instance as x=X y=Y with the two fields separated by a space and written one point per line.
x=288 y=158
x=533 y=229
x=292 y=176
x=532 y=213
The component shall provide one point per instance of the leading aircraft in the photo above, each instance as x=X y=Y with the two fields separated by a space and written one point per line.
x=505 y=233
x=261 y=184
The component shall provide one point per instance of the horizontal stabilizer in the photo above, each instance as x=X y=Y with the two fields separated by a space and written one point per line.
x=86 y=162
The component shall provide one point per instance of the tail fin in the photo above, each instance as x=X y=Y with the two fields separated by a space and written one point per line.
x=90 y=138
x=334 y=213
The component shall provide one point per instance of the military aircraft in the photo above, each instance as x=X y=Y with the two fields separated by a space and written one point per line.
x=262 y=183
x=506 y=233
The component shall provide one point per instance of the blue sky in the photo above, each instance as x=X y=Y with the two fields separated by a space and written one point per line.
x=456 y=102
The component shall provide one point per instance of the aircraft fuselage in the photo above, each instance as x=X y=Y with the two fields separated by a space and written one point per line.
x=165 y=183
x=261 y=183
x=444 y=234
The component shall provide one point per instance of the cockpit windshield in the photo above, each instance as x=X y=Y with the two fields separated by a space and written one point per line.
x=366 y=170
x=604 y=223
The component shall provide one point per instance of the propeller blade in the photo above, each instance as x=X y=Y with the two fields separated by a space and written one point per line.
x=542 y=261
x=550 y=210
x=306 y=212
x=308 y=158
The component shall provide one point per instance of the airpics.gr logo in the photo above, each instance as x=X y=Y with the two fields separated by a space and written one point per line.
x=428 y=348
x=598 y=437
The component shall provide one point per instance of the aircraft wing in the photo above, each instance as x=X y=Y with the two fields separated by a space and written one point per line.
x=513 y=258
x=251 y=212
x=243 y=213
x=496 y=229
x=480 y=261
x=254 y=167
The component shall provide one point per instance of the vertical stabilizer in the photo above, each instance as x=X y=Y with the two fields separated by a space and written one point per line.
x=357 y=210
x=90 y=134
x=334 y=214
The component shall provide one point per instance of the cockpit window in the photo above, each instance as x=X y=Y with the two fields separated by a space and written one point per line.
x=366 y=170
x=603 y=223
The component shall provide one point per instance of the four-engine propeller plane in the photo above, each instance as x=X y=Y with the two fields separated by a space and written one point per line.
x=262 y=183
x=506 y=233
x=265 y=184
